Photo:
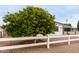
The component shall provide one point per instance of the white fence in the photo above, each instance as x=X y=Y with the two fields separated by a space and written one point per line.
x=46 y=42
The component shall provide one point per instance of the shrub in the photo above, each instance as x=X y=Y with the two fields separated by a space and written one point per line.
x=29 y=22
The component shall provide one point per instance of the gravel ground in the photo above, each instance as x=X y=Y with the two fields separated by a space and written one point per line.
x=54 y=48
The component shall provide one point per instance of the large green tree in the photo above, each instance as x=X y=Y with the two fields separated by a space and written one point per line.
x=78 y=26
x=29 y=21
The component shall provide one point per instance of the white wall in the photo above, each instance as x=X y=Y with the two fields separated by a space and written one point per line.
x=2 y=32
x=60 y=30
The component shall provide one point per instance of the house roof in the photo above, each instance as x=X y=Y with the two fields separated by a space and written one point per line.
x=59 y=23
x=64 y=25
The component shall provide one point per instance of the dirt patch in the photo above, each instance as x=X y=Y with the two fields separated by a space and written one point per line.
x=54 y=48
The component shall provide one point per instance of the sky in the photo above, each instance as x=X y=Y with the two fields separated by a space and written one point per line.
x=61 y=12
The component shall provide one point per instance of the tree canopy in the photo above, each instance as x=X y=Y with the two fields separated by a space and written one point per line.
x=78 y=26
x=29 y=21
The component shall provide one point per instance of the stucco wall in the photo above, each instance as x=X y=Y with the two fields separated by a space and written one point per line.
x=60 y=30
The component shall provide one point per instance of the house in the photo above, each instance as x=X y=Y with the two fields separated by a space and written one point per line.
x=60 y=28
x=1 y=32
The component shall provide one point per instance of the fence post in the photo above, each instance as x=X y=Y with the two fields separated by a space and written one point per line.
x=68 y=39
x=48 y=43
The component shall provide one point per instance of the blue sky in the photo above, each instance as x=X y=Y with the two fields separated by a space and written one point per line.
x=62 y=12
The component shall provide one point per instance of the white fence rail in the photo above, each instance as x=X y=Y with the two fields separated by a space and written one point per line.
x=22 y=38
x=47 y=42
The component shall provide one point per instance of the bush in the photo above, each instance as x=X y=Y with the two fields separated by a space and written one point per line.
x=29 y=22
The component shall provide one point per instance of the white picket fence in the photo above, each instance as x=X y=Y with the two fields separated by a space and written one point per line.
x=47 y=42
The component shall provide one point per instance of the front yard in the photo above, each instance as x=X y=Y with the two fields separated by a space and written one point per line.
x=54 y=48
